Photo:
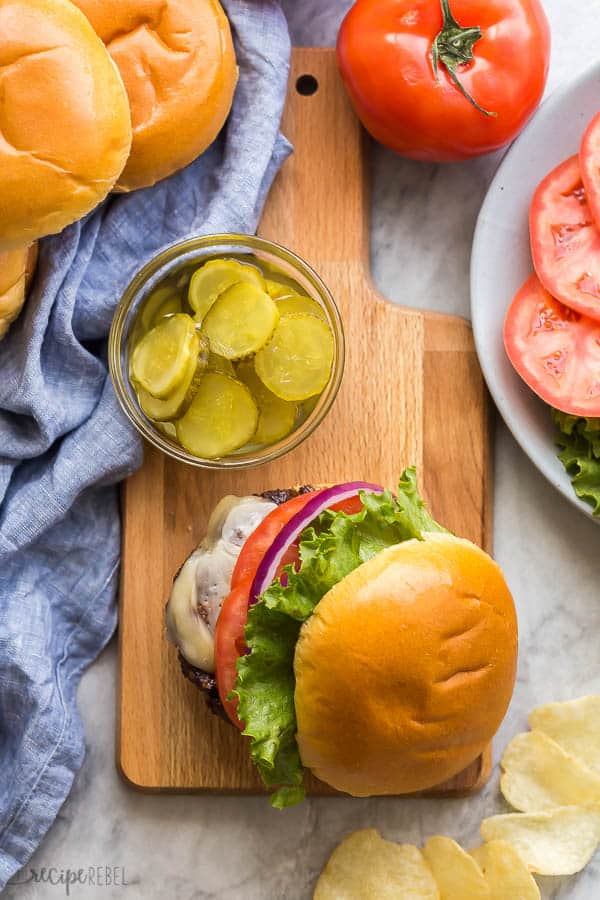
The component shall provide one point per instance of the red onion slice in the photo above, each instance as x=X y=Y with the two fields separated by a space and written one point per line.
x=267 y=570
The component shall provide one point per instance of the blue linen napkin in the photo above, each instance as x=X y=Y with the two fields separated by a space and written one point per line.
x=64 y=442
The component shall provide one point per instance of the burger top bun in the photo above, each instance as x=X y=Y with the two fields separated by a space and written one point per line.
x=65 y=128
x=177 y=61
x=406 y=668
x=16 y=270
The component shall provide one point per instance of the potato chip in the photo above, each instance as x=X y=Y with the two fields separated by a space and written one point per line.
x=575 y=725
x=366 y=867
x=539 y=774
x=559 y=841
x=506 y=874
x=457 y=874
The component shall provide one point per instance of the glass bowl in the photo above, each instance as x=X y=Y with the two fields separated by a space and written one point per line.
x=193 y=252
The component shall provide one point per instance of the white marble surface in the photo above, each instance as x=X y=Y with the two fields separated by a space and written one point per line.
x=195 y=848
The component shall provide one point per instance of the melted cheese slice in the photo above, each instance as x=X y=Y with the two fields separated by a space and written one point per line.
x=204 y=580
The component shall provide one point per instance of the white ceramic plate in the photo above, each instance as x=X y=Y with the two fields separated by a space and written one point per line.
x=501 y=262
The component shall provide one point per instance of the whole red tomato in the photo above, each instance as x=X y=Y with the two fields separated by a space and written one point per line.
x=443 y=80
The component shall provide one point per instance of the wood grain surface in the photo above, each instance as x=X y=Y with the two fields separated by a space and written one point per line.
x=412 y=393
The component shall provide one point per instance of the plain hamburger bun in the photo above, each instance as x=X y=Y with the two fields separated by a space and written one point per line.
x=177 y=61
x=16 y=271
x=406 y=668
x=64 y=119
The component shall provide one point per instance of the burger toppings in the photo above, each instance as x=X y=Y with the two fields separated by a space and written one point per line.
x=204 y=579
x=277 y=552
x=330 y=547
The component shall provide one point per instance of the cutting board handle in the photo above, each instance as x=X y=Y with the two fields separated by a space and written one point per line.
x=323 y=215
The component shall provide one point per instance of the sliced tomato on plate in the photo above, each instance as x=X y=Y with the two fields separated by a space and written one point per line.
x=589 y=162
x=229 y=634
x=555 y=350
x=565 y=242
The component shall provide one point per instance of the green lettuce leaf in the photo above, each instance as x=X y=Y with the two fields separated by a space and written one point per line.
x=579 y=442
x=333 y=546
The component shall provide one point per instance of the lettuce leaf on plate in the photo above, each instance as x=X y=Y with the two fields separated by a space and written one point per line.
x=579 y=442
x=330 y=548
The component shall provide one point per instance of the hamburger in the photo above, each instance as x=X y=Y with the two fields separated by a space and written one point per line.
x=343 y=630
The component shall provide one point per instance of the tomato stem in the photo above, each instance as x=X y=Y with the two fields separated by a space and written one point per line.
x=453 y=47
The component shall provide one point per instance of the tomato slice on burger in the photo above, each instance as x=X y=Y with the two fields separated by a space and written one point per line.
x=229 y=634
x=230 y=644
x=555 y=350
x=565 y=242
x=589 y=162
x=262 y=537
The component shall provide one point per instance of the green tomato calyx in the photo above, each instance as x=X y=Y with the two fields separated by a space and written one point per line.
x=453 y=47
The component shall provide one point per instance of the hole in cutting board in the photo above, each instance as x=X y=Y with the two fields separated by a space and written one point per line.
x=307 y=85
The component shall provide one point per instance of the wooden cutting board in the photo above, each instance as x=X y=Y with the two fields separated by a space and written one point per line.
x=412 y=393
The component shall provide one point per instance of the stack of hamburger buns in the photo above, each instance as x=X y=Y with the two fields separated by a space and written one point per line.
x=98 y=95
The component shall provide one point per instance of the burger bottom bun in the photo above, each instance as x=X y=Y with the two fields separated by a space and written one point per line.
x=406 y=668
x=16 y=271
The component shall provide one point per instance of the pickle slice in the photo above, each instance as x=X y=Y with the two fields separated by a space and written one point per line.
x=308 y=406
x=274 y=422
x=164 y=410
x=160 y=361
x=153 y=304
x=179 y=399
x=221 y=418
x=218 y=363
x=241 y=321
x=168 y=429
x=299 y=303
x=277 y=290
x=169 y=307
x=214 y=277
x=184 y=279
x=296 y=363
x=276 y=418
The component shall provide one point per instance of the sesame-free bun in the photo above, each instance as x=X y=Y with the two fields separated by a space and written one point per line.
x=406 y=668
x=177 y=61
x=16 y=270
x=64 y=119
